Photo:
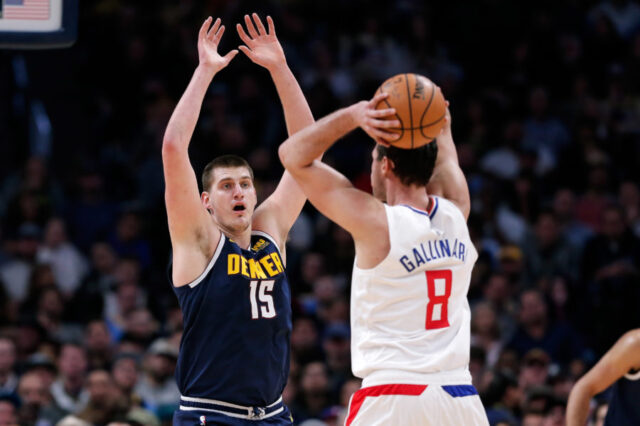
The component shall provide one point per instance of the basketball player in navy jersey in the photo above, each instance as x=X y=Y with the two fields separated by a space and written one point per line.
x=228 y=256
x=621 y=364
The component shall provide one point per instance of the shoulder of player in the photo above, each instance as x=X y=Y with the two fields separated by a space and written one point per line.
x=630 y=343
x=260 y=239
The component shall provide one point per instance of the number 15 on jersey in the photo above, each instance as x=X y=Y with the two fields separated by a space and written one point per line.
x=261 y=299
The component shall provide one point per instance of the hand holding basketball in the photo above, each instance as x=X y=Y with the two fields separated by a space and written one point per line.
x=208 y=40
x=420 y=109
x=262 y=46
x=373 y=121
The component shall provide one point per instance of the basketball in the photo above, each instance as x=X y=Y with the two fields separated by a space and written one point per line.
x=420 y=109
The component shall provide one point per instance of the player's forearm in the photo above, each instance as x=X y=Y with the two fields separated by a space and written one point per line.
x=297 y=113
x=578 y=405
x=185 y=116
x=447 y=179
x=302 y=148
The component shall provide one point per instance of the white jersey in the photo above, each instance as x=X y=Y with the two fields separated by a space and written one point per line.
x=410 y=316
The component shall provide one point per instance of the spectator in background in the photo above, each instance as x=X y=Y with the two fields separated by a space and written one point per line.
x=16 y=272
x=157 y=386
x=37 y=407
x=42 y=365
x=305 y=340
x=535 y=330
x=576 y=233
x=68 y=390
x=105 y=403
x=547 y=253
x=88 y=302
x=313 y=395
x=595 y=199
x=128 y=241
x=610 y=264
x=485 y=332
x=9 y=410
x=337 y=348
x=49 y=314
x=68 y=264
x=125 y=371
x=99 y=346
x=543 y=134
x=90 y=215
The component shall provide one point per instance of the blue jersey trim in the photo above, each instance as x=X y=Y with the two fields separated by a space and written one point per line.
x=458 y=391
x=435 y=208
x=424 y=213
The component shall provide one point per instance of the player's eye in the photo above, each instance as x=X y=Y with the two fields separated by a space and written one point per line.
x=227 y=186
x=245 y=184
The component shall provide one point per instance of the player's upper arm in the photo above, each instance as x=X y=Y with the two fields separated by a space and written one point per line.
x=362 y=215
x=622 y=357
x=279 y=211
x=448 y=181
x=188 y=219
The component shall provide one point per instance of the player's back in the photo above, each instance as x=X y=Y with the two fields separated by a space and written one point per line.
x=624 y=409
x=410 y=315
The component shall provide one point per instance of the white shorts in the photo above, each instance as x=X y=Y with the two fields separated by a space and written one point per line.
x=416 y=405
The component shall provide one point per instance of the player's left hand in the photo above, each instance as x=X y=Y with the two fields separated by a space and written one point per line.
x=261 y=46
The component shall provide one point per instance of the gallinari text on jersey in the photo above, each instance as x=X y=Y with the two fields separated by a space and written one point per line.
x=433 y=250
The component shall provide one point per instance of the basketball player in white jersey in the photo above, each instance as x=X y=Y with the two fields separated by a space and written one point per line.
x=410 y=317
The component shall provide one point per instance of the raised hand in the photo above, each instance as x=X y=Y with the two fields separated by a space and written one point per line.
x=373 y=121
x=261 y=46
x=208 y=40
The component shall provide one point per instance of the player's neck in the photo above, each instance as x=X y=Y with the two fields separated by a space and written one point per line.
x=411 y=195
x=241 y=238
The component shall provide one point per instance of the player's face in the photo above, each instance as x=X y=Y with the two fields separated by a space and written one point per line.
x=377 y=181
x=232 y=198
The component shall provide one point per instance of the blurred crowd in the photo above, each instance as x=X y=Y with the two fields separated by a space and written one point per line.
x=545 y=102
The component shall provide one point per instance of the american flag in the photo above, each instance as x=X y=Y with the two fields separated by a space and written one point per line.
x=26 y=9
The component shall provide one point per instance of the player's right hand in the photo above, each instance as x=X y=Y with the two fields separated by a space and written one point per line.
x=208 y=40
x=373 y=120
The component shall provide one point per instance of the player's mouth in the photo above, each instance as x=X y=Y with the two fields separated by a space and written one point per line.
x=240 y=208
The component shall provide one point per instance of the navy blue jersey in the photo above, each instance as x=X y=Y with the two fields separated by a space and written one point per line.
x=624 y=407
x=237 y=323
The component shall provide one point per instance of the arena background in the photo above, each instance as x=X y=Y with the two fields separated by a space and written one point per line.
x=545 y=100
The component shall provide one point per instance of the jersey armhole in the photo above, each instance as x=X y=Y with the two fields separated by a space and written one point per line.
x=206 y=271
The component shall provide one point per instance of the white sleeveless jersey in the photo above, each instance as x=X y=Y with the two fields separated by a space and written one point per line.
x=410 y=315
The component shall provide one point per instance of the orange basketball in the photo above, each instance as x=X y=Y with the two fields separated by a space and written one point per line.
x=420 y=109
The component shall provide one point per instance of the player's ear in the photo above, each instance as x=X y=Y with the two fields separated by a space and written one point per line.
x=206 y=201
x=387 y=165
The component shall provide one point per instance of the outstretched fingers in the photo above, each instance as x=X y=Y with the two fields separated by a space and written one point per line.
x=272 y=28
x=218 y=35
x=214 y=29
x=252 y=30
x=243 y=36
x=258 y=22
x=203 y=29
